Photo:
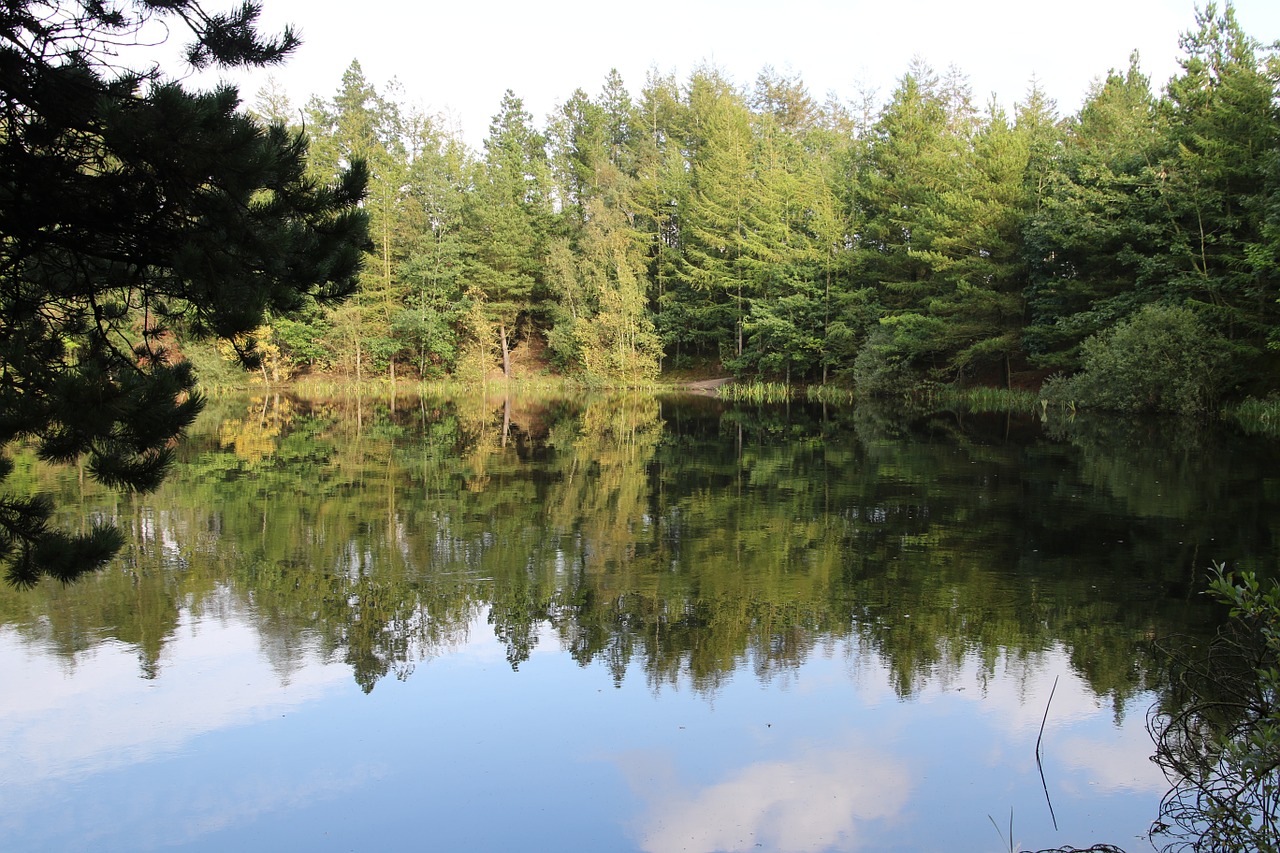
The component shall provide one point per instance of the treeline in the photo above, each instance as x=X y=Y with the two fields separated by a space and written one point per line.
x=929 y=239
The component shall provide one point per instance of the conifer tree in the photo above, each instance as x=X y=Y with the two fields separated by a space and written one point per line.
x=1215 y=181
x=915 y=154
x=131 y=208
x=507 y=218
x=660 y=196
x=717 y=226
x=1087 y=236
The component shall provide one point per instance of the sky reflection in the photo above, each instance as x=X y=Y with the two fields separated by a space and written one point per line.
x=223 y=748
x=815 y=802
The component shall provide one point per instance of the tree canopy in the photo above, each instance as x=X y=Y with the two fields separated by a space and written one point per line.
x=135 y=213
x=886 y=243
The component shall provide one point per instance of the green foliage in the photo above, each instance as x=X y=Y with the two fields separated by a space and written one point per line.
x=754 y=392
x=1223 y=131
x=988 y=400
x=214 y=372
x=1087 y=235
x=883 y=367
x=914 y=242
x=829 y=394
x=133 y=209
x=1261 y=417
x=897 y=247
x=1220 y=744
x=1163 y=359
x=602 y=327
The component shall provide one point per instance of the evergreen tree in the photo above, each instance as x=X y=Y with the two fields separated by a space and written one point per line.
x=1091 y=228
x=716 y=227
x=506 y=220
x=914 y=156
x=660 y=195
x=785 y=244
x=578 y=140
x=360 y=124
x=433 y=271
x=1223 y=126
x=131 y=208
x=597 y=270
x=978 y=253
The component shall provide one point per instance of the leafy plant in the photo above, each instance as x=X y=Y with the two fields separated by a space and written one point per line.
x=1162 y=359
x=1220 y=747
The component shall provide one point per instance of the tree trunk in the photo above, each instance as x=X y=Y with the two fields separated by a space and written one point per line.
x=739 y=319
x=506 y=351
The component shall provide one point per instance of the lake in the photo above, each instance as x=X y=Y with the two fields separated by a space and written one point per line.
x=621 y=623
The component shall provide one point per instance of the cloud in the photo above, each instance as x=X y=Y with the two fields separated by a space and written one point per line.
x=813 y=802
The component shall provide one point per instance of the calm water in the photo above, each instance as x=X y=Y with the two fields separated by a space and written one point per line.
x=620 y=624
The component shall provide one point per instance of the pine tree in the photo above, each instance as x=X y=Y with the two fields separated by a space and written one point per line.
x=785 y=245
x=1223 y=131
x=597 y=269
x=433 y=271
x=660 y=196
x=916 y=153
x=131 y=207
x=715 y=229
x=360 y=124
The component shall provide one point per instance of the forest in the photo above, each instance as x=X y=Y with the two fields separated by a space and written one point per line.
x=1128 y=254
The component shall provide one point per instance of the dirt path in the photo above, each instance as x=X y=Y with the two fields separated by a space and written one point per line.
x=707 y=386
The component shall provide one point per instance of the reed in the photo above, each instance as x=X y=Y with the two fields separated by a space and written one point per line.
x=1258 y=417
x=755 y=392
x=214 y=388
x=832 y=395
x=539 y=384
x=986 y=400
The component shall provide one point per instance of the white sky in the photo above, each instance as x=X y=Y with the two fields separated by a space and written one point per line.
x=461 y=55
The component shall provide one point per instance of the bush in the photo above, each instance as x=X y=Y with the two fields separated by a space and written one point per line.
x=1162 y=359
x=883 y=368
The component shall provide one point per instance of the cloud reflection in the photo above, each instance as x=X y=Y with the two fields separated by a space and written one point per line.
x=1116 y=760
x=813 y=803
x=222 y=681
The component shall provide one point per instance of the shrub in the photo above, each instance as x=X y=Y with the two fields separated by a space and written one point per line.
x=883 y=368
x=1162 y=359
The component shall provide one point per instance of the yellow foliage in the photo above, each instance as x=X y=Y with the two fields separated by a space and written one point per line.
x=253 y=437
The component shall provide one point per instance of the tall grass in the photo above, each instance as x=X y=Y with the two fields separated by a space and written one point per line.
x=1258 y=417
x=533 y=386
x=832 y=395
x=985 y=400
x=754 y=392
x=970 y=400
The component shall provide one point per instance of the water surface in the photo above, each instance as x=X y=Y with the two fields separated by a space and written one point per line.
x=627 y=623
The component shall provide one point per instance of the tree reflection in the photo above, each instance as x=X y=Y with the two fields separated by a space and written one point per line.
x=1217 y=730
x=677 y=538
